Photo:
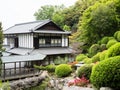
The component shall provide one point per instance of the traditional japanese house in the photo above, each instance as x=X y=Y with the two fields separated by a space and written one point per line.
x=38 y=42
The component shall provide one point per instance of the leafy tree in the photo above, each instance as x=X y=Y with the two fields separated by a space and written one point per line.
x=58 y=18
x=98 y=21
x=1 y=42
x=67 y=28
x=47 y=11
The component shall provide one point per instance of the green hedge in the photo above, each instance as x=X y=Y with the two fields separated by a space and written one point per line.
x=81 y=57
x=107 y=73
x=63 y=70
x=104 y=40
x=103 y=47
x=93 y=49
x=117 y=35
x=85 y=70
x=113 y=50
x=87 y=60
x=102 y=55
x=110 y=43
x=96 y=58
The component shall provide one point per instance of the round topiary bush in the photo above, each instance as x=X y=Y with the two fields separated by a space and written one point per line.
x=81 y=57
x=96 y=58
x=102 y=55
x=110 y=43
x=117 y=35
x=63 y=70
x=107 y=73
x=85 y=70
x=93 y=50
x=113 y=50
x=104 y=40
x=87 y=60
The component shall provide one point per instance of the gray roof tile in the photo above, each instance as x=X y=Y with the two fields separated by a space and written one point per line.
x=25 y=27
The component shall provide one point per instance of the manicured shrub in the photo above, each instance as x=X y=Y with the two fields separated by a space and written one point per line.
x=85 y=70
x=93 y=50
x=103 y=47
x=111 y=38
x=81 y=57
x=107 y=73
x=102 y=55
x=117 y=35
x=63 y=70
x=104 y=40
x=96 y=58
x=110 y=43
x=87 y=60
x=50 y=68
x=113 y=50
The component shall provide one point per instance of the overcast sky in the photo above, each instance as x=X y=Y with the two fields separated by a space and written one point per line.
x=19 y=11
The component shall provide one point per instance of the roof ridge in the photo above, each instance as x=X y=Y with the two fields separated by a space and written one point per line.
x=32 y=22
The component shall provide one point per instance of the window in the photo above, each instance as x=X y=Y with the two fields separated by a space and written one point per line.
x=50 y=41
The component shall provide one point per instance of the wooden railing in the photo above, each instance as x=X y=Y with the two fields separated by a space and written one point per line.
x=14 y=73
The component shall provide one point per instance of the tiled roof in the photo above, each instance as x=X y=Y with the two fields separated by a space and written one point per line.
x=52 y=51
x=20 y=51
x=51 y=31
x=23 y=58
x=45 y=51
x=26 y=27
x=32 y=27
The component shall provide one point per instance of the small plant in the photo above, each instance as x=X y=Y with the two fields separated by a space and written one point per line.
x=79 y=82
x=60 y=60
x=63 y=70
x=4 y=86
x=49 y=68
x=85 y=70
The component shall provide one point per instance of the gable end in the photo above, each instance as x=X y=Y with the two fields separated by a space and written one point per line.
x=50 y=26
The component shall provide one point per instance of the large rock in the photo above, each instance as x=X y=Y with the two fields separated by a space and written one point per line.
x=28 y=82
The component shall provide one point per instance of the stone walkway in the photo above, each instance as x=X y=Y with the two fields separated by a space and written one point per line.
x=76 y=88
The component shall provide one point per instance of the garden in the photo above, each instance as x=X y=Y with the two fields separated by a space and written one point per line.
x=101 y=67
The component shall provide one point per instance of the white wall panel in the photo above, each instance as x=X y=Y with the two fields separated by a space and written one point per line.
x=25 y=40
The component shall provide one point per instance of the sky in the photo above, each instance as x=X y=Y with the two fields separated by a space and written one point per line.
x=19 y=11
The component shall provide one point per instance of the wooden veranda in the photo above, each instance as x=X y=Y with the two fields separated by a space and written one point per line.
x=16 y=67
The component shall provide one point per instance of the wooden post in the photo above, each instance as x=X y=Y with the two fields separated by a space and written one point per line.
x=15 y=68
x=19 y=67
x=4 y=70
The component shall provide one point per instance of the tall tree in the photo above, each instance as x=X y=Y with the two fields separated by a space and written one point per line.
x=1 y=42
x=98 y=21
x=47 y=11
